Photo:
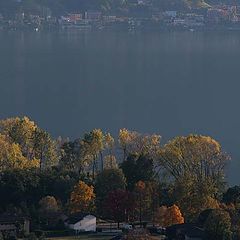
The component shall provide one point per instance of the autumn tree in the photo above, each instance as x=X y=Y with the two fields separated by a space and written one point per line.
x=49 y=212
x=82 y=198
x=92 y=147
x=196 y=164
x=110 y=162
x=125 y=139
x=59 y=183
x=147 y=198
x=139 y=144
x=109 y=143
x=119 y=205
x=107 y=181
x=33 y=142
x=193 y=197
x=45 y=149
x=11 y=156
x=167 y=216
x=196 y=156
x=20 y=131
x=48 y=204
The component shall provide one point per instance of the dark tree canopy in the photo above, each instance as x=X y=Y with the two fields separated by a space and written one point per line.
x=136 y=169
x=107 y=181
x=218 y=225
x=232 y=195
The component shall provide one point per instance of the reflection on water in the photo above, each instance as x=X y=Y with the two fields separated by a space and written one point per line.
x=169 y=83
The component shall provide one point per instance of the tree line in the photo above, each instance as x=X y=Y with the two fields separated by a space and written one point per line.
x=133 y=177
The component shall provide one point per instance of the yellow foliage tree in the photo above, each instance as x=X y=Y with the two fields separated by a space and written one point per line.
x=92 y=146
x=110 y=162
x=195 y=156
x=20 y=131
x=167 y=216
x=33 y=142
x=109 y=141
x=132 y=142
x=11 y=156
x=197 y=164
x=82 y=198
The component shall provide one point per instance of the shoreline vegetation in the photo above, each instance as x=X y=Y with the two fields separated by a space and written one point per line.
x=130 y=178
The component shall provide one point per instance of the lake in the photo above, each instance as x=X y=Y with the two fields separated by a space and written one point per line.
x=171 y=83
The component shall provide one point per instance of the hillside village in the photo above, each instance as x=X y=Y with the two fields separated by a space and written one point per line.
x=142 y=15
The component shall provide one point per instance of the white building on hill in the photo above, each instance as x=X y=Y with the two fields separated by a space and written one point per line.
x=82 y=223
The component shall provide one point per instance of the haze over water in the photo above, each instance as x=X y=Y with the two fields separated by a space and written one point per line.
x=168 y=83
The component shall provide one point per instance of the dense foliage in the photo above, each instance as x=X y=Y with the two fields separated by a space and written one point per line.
x=131 y=178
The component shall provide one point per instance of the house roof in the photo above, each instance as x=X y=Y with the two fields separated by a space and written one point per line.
x=11 y=218
x=195 y=232
x=189 y=230
x=72 y=219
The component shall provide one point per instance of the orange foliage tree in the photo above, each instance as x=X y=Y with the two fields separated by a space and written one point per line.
x=82 y=198
x=167 y=216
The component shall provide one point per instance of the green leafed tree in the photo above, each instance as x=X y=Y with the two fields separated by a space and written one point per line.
x=218 y=225
x=107 y=181
x=137 y=168
x=232 y=195
x=71 y=156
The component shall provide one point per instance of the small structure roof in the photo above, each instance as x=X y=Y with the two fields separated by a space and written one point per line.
x=76 y=218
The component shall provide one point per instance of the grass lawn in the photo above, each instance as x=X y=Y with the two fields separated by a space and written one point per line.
x=84 y=237
x=91 y=237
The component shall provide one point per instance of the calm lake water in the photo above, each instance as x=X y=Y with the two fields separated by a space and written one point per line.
x=167 y=83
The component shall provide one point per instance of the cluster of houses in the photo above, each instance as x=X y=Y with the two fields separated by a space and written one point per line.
x=16 y=226
x=218 y=15
x=137 y=18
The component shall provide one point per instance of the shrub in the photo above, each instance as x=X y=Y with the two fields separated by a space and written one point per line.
x=31 y=236
x=218 y=225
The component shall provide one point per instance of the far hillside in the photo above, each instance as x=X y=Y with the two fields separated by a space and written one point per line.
x=9 y=7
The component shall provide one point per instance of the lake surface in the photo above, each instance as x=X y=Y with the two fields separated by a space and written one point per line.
x=168 y=83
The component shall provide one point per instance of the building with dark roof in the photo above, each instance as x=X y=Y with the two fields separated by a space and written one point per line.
x=185 y=232
x=14 y=224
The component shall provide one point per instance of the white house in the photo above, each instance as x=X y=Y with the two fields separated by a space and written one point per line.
x=82 y=223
